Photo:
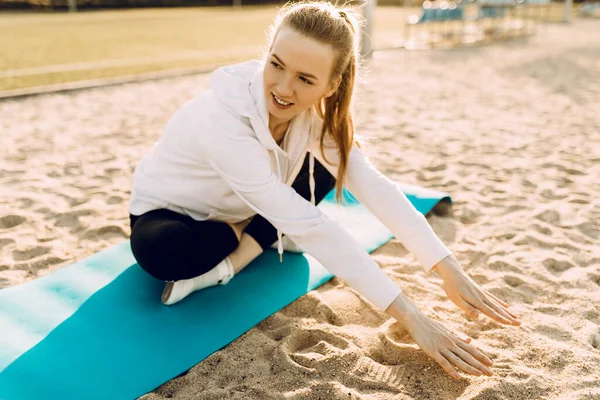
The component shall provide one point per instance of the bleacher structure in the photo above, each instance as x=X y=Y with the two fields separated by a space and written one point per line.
x=589 y=9
x=444 y=23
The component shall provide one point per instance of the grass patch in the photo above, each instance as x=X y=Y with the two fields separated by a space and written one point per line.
x=41 y=40
x=41 y=48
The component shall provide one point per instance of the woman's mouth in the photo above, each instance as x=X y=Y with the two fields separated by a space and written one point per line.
x=282 y=105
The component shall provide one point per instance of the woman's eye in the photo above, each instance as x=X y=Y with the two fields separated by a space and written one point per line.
x=306 y=80
x=273 y=63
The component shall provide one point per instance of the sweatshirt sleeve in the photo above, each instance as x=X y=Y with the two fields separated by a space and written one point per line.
x=387 y=202
x=246 y=166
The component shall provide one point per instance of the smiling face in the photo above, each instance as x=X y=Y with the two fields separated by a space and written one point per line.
x=296 y=75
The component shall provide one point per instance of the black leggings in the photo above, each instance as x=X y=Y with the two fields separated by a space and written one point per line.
x=172 y=246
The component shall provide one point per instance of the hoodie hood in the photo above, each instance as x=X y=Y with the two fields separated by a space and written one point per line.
x=240 y=87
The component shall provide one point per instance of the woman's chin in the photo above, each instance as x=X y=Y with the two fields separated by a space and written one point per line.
x=286 y=114
x=281 y=114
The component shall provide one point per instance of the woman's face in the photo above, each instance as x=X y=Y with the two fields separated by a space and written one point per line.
x=297 y=73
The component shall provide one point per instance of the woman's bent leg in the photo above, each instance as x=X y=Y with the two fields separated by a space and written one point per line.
x=246 y=252
x=170 y=246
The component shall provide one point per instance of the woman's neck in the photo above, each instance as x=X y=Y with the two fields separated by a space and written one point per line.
x=278 y=128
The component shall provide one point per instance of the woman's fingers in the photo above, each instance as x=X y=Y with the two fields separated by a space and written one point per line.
x=476 y=353
x=447 y=366
x=465 y=339
x=493 y=314
x=493 y=296
x=462 y=337
x=494 y=299
x=503 y=304
x=511 y=313
x=499 y=307
x=468 y=308
x=460 y=363
x=503 y=312
x=472 y=361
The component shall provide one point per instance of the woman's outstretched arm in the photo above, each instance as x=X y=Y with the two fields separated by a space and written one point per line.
x=387 y=202
x=447 y=349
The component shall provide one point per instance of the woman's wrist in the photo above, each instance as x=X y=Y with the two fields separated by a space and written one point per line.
x=404 y=311
x=446 y=265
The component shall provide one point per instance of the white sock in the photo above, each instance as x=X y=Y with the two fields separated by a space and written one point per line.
x=178 y=290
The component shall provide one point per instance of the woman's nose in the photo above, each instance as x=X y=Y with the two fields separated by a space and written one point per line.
x=284 y=88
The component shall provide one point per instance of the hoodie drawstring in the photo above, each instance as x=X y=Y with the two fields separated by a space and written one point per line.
x=311 y=182
x=279 y=234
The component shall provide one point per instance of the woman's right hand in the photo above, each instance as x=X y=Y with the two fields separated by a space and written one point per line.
x=438 y=342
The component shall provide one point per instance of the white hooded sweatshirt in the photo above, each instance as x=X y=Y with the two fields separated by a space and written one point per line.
x=217 y=160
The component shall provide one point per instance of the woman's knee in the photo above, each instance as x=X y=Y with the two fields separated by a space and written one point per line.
x=171 y=249
x=152 y=246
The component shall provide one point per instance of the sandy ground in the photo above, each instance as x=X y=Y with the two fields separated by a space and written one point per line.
x=512 y=131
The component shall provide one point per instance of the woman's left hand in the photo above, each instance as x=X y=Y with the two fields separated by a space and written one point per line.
x=468 y=295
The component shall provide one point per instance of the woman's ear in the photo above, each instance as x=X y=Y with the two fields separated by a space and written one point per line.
x=334 y=87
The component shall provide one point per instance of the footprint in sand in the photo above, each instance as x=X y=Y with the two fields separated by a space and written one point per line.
x=436 y=167
x=276 y=327
x=468 y=215
x=506 y=236
x=595 y=340
x=8 y=173
x=35 y=266
x=542 y=229
x=394 y=345
x=594 y=278
x=557 y=266
x=553 y=333
x=5 y=242
x=24 y=202
x=503 y=266
x=513 y=281
x=393 y=362
x=589 y=229
x=368 y=372
x=549 y=216
x=309 y=348
x=321 y=311
x=531 y=388
x=71 y=219
x=24 y=255
x=113 y=171
x=114 y=200
x=578 y=200
x=551 y=311
x=573 y=171
x=73 y=170
x=592 y=316
x=105 y=233
x=10 y=221
x=552 y=194
x=558 y=362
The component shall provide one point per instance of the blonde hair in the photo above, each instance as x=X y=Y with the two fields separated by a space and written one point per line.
x=338 y=28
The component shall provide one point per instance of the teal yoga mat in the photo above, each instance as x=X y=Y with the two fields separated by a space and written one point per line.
x=96 y=329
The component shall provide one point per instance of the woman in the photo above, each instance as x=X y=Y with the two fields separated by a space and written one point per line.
x=235 y=170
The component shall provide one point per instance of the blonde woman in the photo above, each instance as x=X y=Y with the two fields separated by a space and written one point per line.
x=246 y=162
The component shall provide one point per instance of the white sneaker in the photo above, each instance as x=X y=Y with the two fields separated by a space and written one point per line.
x=176 y=291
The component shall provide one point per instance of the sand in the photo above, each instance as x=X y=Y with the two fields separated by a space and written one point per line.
x=511 y=131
